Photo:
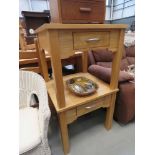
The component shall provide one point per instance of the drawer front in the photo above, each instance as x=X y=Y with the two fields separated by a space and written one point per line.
x=71 y=115
x=86 y=108
x=83 y=10
x=91 y=39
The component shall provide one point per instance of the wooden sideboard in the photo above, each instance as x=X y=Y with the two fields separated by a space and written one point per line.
x=62 y=41
x=77 y=11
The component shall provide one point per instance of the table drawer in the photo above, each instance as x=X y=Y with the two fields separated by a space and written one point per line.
x=86 y=108
x=71 y=115
x=91 y=39
x=92 y=11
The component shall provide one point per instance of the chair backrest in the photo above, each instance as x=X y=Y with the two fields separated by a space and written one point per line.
x=31 y=83
x=22 y=40
x=30 y=61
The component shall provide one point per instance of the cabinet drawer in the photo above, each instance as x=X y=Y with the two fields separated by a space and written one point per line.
x=71 y=115
x=91 y=39
x=88 y=11
x=86 y=108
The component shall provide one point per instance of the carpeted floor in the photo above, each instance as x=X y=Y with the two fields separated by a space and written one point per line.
x=89 y=137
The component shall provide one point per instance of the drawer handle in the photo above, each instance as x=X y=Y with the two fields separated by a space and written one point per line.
x=89 y=107
x=92 y=39
x=85 y=9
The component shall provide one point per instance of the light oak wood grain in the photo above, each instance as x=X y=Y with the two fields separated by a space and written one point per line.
x=73 y=100
x=84 y=40
x=99 y=103
x=71 y=115
x=54 y=51
x=61 y=41
x=64 y=132
x=58 y=26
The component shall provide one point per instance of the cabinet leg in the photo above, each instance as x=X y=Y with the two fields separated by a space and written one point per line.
x=109 y=113
x=64 y=132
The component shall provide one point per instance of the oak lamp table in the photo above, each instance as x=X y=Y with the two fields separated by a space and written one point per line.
x=62 y=41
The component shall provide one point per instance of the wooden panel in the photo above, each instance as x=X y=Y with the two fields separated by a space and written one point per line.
x=82 y=11
x=71 y=115
x=28 y=55
x=54 y=51
x=34 y=69
x=86 y=108
x=58 y=26
x=55 y=10
x=43 y=40
x=110 y=112
x=71 y=99
x=64 y=133
x=114 y=38
x=22 y=41
x=116 y=61
x=65 y=44
x=91 y=39
x=30 y=46
x=42 y=61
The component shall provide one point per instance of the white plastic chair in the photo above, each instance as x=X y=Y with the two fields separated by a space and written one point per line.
x=34 y=122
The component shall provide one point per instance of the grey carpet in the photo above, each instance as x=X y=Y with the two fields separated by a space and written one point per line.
x=88 y=136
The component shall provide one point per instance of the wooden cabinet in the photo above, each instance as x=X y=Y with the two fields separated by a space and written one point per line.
x=33 y=20
x=77 y=11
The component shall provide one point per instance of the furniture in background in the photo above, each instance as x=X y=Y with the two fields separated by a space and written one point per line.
x=33 y=116
x=22 y=40
x=33 y=20
x=30 y=60
x=61 y=41
x=99 y=62
x=81 y=11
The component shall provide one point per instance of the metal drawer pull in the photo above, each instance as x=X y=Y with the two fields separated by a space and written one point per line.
x=93 y=39
x=89 y=107
x=85 y=9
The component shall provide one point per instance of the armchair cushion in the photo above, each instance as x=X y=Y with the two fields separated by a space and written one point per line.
x=29 y=132
x=105 y=74
x=124 y=64
x=105 y=64
x=131 y=60
x=130 y=51
x=91 y=60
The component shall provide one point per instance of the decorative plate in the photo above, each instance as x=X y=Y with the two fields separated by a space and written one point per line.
x=81 y=86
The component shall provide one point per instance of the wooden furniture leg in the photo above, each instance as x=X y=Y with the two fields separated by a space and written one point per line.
x=64 y=132
x=109 y=113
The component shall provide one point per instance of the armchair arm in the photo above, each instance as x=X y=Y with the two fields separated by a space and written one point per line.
x=105 y=74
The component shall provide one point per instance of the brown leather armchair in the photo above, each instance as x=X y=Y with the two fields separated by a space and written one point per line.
x=100 y=66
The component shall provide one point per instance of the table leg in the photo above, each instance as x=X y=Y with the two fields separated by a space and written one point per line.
x=109 y=113
x=64 y=132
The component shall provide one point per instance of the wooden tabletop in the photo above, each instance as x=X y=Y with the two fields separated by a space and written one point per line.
x=73 y=100
x=80 y=26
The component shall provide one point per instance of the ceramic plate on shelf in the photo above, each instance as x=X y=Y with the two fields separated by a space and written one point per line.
x=81 y=86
